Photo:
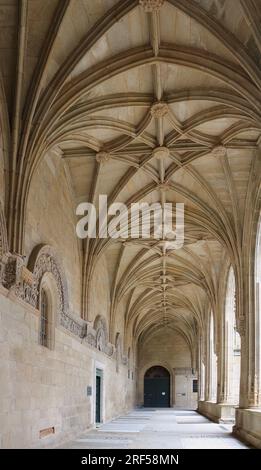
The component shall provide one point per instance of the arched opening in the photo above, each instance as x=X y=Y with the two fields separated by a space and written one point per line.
x=232 y=343
x=212 y=362
x=258 y=301
x=48 y=308
x=157 y=387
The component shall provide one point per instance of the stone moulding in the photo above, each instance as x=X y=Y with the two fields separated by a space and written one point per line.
x=151 y=5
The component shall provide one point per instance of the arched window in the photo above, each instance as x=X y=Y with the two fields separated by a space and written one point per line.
x=258 y=296
x=212 y=362
x=48 y=306
x=44 y=319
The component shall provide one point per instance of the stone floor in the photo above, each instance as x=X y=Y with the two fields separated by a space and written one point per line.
x=158 y=429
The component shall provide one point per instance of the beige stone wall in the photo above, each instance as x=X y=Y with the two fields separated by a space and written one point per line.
x=99 y=303
x=51 y=220
x=42 y=388
x=168 y=349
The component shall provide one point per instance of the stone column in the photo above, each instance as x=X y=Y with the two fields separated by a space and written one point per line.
x=201 y=371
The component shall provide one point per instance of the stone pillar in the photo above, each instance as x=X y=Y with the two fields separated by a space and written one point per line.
x=201 y=371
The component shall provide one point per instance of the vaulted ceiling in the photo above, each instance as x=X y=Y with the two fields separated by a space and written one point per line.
x=147 y=100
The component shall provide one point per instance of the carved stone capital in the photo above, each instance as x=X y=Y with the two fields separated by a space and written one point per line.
x=161 y=152
x=159 y=110
x=151 y=5
x=219 y=151
x=102 y=157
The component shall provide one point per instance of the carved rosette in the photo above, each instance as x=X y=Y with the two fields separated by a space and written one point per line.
x=159 y=110
x=219 y=151
x=102 y=157
x=151 y=5
x=161 y=152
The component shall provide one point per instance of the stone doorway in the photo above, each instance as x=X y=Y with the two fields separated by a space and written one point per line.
x=157 y=387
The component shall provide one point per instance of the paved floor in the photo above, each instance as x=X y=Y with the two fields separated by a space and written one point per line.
x=158 y=429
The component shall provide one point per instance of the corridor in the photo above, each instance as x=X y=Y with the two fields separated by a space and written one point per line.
x=158 y=429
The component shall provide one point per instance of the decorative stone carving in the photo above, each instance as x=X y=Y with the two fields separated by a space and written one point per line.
x=97 y=336
x=219 y=151
x=44 y=260
x=102 y=157
x=161 y=152
x=75 y=326
x=151 y=5
x=11 y=269
x=159 y=110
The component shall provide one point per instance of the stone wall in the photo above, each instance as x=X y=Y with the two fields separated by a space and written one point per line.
x=51 y=220
x=43 y=388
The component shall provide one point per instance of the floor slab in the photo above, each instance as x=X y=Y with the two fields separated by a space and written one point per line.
x=158 y=429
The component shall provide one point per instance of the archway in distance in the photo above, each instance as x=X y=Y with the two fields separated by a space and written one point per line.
x=157 y=387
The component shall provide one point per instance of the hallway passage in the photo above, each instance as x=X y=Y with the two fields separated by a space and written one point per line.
x=148 y=428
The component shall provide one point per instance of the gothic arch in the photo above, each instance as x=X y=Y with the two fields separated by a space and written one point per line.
x=44 y=260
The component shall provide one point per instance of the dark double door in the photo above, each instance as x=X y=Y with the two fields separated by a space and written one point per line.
x=98 y=396
x=157 y=388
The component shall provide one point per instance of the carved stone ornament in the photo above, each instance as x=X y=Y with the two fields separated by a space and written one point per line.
x=75 y=325
x=12 y=265
x=151 y=5
x=159 y=110
x=219 y=151
x=97 y=336
x=161 y=152
x=102 y=157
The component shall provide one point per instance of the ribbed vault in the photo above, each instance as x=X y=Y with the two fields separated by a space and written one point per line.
x=144 y=101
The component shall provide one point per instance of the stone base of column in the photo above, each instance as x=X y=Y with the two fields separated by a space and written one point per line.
x=248 y=426
x=217 y=412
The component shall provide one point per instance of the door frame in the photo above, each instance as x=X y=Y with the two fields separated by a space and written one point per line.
x=98 y=366
x=171 y=381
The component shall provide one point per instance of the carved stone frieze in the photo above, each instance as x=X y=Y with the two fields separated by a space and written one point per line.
x=75 y=326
